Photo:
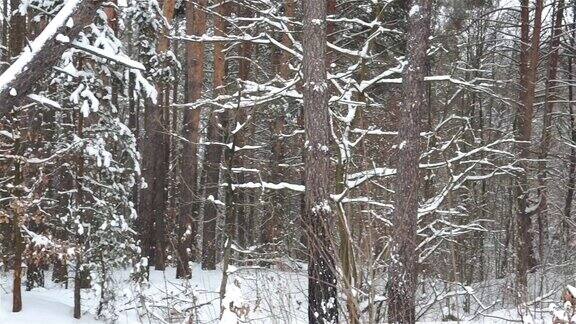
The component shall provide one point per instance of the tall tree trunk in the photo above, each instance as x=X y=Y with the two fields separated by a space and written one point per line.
x=546 y=140
x=346 y=250
x=322 y=291
x=529 y=57
x=80 y=237
x=189 y=205
x=160 y=195
x=155 y=150
x=15 y=42
x=63 y=182
x=17 y=239
x=213 y=158
x=239 y=140
x=572 y=159
x=403 y=265
x=163 y=154
x=134 y=125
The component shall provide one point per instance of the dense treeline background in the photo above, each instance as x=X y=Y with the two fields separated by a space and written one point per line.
x=416 y=157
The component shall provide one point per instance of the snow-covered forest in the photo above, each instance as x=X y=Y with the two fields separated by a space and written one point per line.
x=287 y=161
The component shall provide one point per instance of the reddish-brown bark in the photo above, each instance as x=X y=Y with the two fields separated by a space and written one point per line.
x=189 y=204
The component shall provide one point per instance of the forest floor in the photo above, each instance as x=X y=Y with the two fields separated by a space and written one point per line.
x=259 y=296
x=256 y=293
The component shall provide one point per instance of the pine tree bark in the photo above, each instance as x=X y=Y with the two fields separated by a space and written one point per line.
x=189 y=205
x=318 y=218
x=155 y=152
x=403 y=264
x=163 y=158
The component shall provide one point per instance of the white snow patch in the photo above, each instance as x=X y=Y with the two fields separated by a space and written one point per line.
x=414 y=10
x=62 y=38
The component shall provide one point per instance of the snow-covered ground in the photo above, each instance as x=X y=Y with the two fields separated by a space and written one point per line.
x=263 y=296
x=42 y=306
x=254 y=295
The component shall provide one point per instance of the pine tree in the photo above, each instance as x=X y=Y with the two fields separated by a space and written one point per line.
x=403 y=276
x=322 y=285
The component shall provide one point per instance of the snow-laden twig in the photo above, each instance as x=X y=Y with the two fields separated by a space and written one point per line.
x=44 y=52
